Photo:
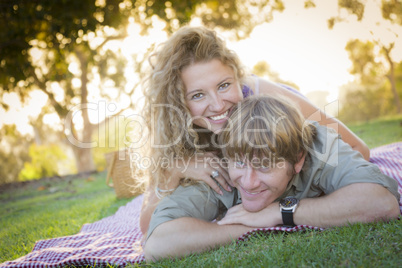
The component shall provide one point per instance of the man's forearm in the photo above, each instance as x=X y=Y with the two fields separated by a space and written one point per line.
x=360 y=202
x=184 y=236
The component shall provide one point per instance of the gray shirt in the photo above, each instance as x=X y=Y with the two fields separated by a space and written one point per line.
x=330 y=165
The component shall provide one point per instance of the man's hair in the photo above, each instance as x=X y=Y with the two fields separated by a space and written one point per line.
x=269 y=128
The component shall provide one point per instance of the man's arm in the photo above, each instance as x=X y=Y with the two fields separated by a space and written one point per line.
x=184 y=236
x=358 y=202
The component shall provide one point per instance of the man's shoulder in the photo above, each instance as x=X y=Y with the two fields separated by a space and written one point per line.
x=325 y=144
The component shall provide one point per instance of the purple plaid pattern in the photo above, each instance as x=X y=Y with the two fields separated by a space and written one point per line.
x=297 y=228
x=389 y=159
x=116 y=240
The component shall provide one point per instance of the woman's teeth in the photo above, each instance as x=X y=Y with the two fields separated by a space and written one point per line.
x=219 y=117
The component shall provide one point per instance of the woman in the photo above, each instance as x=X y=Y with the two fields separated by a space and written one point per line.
x=194 y=83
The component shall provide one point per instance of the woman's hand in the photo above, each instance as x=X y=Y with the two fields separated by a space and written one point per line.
x=200 y=167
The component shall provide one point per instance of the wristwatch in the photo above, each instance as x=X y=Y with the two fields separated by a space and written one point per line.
x=288 y=206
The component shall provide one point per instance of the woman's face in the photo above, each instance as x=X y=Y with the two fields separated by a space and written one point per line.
x=211 y=90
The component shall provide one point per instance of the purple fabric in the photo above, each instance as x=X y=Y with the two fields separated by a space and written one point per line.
x=389 y=159
x=247 y=92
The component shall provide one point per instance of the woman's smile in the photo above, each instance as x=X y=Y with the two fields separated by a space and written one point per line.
x=220 y=117
x=211 y=91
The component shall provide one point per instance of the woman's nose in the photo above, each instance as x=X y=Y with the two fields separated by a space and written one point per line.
x=217 y=104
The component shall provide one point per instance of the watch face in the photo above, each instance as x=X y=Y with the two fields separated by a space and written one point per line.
x=289 y=202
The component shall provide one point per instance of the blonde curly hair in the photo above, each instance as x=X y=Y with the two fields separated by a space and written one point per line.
x=172 y=133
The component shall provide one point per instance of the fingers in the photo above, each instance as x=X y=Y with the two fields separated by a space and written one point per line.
x=225 y=175
x=204 y=169
x=233 y=215
x=222 y=180
x=213 y=184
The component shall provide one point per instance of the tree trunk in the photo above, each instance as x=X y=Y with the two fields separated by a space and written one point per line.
x=83 y=159
x=83 y=156
x=391 y=77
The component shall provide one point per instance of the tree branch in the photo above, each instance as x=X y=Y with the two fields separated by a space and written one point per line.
x=60 y=110
x=110 y=38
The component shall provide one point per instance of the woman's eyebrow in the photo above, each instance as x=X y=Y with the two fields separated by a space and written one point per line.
x=224 y=80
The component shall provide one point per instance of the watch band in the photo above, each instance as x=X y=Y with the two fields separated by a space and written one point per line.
x=287 y=217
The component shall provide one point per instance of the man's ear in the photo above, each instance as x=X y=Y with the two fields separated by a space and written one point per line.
x=299 y=165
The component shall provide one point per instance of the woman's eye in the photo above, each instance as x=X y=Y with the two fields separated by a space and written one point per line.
x=197 y=96
x=224 y=85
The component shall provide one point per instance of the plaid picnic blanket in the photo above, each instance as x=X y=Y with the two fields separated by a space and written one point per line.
x=116 y=240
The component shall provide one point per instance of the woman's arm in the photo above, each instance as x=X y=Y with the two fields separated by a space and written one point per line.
x=199 y=168
x=311 y=112
x=148 y=206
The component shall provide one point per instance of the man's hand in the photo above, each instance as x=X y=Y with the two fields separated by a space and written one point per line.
x=267 y=217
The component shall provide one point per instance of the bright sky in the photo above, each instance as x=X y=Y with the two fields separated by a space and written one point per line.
x=297 y=44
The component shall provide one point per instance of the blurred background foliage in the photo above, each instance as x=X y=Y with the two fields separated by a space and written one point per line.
x=61 y=48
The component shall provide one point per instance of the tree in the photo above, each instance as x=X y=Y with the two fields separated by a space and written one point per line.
x=370 y=96
x=364 y=64
x=13 y=153
x=391 y=10
x=43 y=39
x=365 y=102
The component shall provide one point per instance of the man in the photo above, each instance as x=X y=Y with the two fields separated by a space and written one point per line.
x=286 y=171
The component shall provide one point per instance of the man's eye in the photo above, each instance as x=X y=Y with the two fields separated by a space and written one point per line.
x=197 y=96
x=239 y=164
x=265 y=168
x=224 y=86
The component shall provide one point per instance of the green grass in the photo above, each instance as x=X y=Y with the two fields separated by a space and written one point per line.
x=358 y=245
x=59 y=208
x=379 y=132
x=51 y=209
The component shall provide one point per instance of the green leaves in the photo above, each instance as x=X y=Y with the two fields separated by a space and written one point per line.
x=392 y=10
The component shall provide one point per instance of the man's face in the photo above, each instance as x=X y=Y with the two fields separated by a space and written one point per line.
x=259 y=185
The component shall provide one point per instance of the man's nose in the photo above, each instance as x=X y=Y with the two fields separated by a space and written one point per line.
x=250 y=180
